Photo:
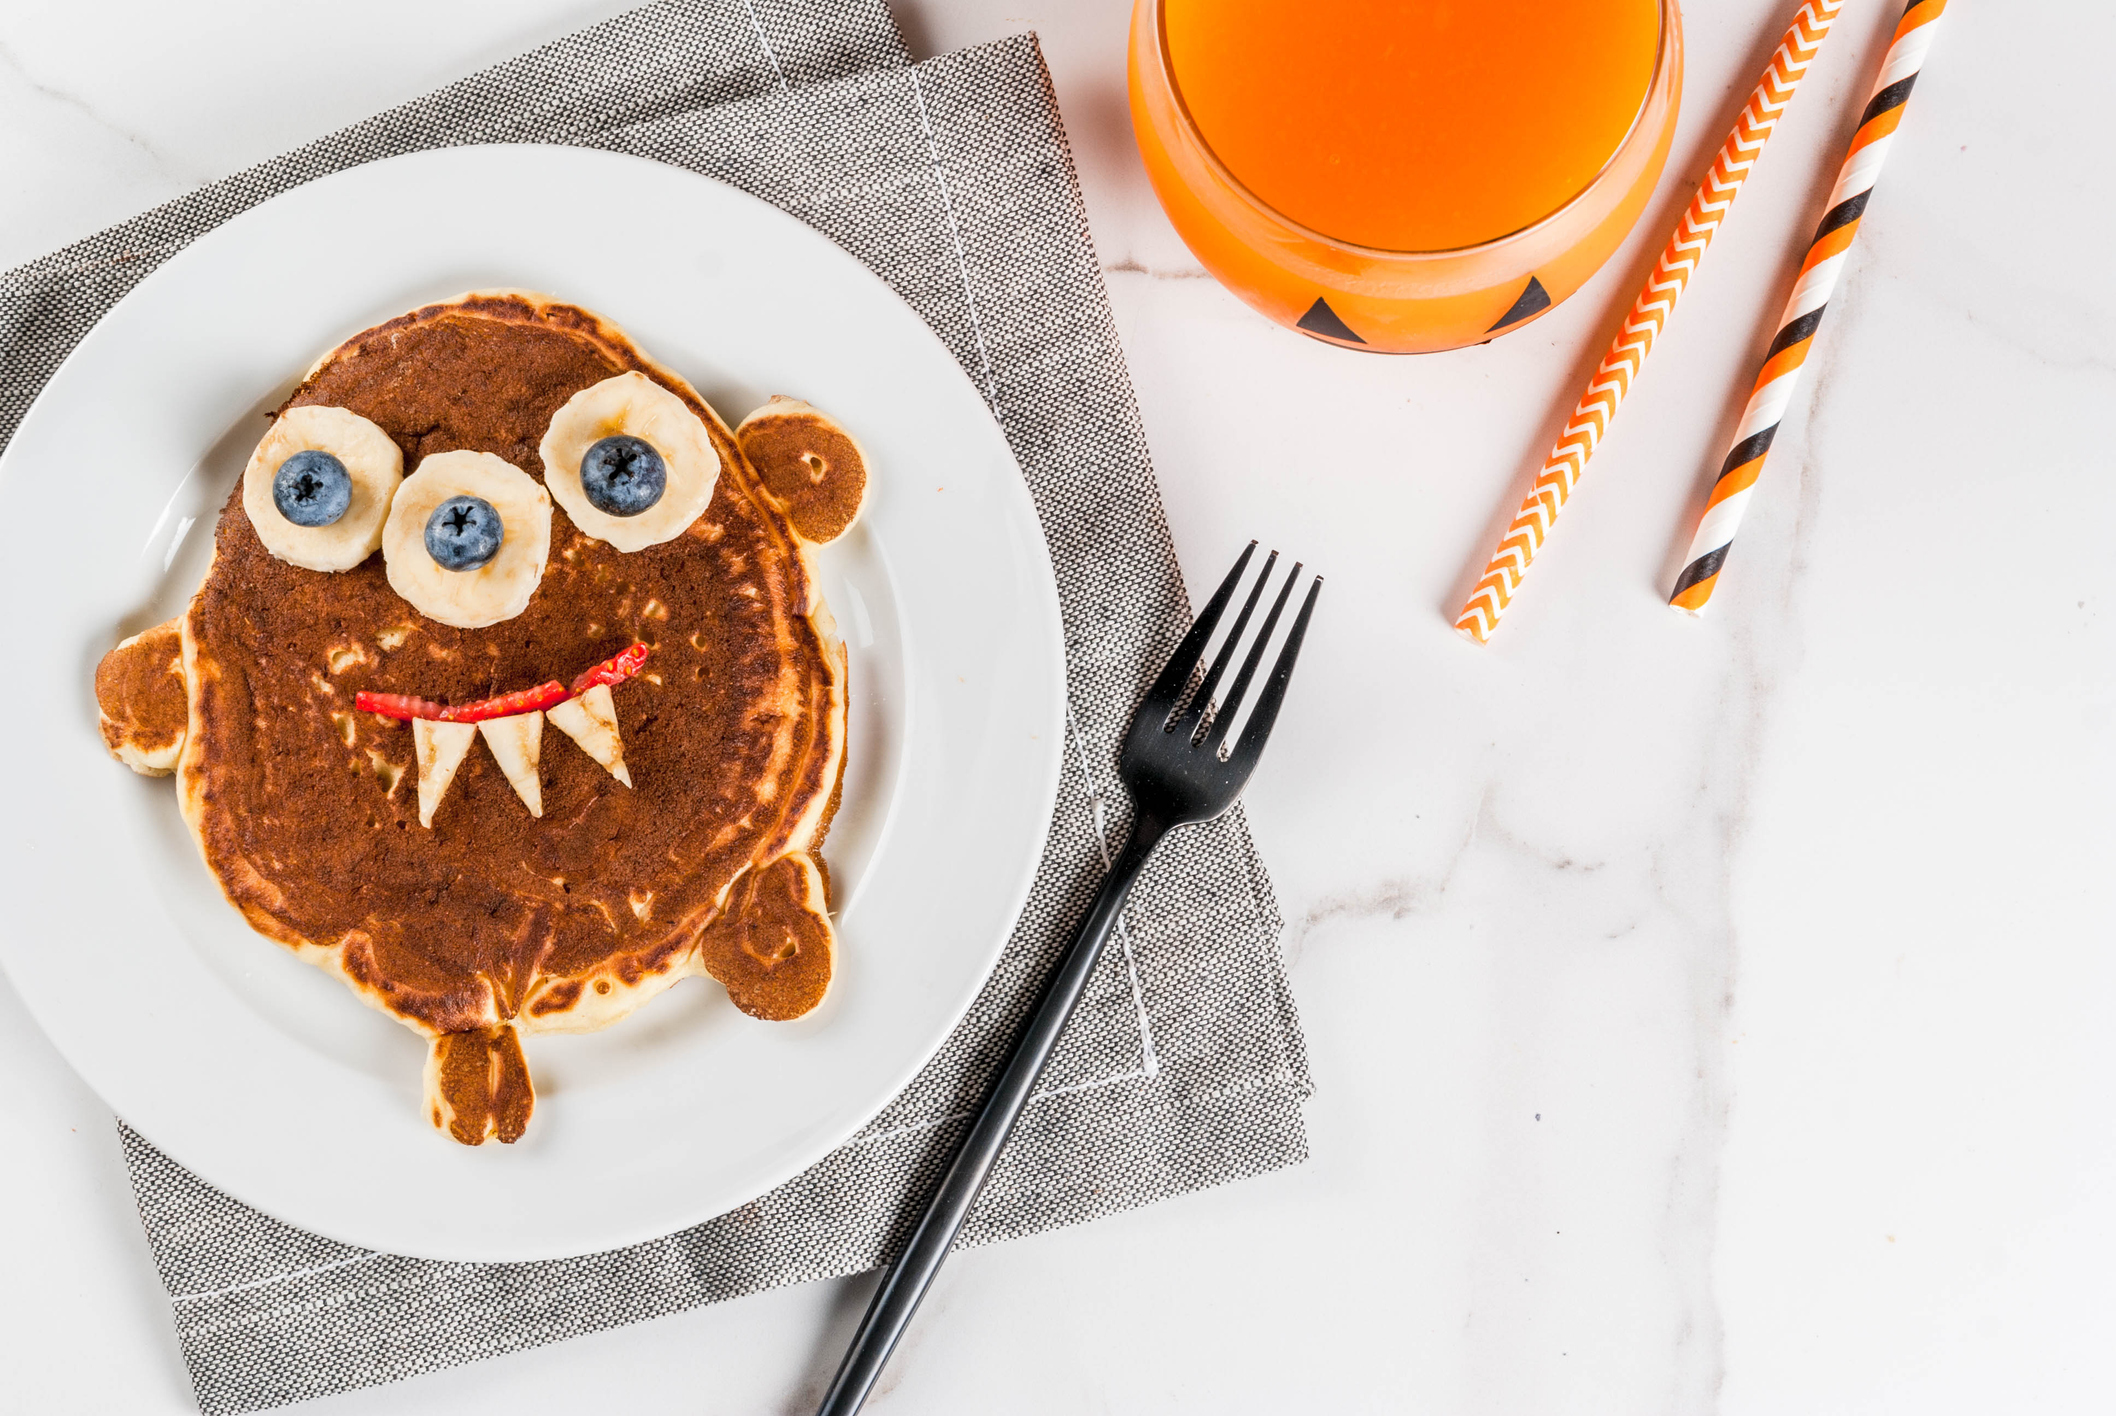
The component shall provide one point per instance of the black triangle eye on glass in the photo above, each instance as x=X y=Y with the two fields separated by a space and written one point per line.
x=1323 y=321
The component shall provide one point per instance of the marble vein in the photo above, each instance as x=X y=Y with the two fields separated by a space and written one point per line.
x=11 y=65
x=1131 y=266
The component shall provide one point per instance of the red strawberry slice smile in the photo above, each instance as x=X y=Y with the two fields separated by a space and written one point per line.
x=403 y=706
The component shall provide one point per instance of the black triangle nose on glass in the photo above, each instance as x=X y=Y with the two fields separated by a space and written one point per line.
x=1180 y=766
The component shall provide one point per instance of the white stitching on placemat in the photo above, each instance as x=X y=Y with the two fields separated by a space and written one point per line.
x=1131 y=964
x=1131 y=1074
x=1094 y=793
x=894 y=1131
x=962 y=257
x=275 y=1278
x=769 y=53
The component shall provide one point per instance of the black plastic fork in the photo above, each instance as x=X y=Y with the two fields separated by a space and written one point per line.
x=1180 y=770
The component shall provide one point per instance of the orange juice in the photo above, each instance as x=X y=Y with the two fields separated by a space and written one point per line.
x=1404 y=174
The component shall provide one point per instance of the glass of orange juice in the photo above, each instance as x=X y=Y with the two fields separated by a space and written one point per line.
x=1404 y=175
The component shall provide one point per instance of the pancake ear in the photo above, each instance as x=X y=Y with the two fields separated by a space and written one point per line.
x=810 y=465
x=143 y=702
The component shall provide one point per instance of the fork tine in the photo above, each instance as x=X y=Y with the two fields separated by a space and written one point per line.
x=1225 y=718
x=1258 y=727
x=1195 y=713
x=1169 y=686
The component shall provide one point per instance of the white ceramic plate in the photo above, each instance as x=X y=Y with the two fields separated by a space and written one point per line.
x=269 y=1079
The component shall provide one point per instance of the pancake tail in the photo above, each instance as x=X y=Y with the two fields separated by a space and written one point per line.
x=477 y=1085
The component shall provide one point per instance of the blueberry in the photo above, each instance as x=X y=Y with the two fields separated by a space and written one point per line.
x=312 y=488
x=623 y=476
x=463 y=533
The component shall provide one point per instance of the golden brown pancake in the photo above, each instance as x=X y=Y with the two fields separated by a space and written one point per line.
x=494 y=921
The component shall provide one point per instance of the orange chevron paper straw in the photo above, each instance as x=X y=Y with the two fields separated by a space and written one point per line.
x=1780 y=375
x=1627 y=354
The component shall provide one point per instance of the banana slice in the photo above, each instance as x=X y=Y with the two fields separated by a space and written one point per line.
x=493 y=589
x=591 y=721
x=632 y=405
x=516 y=743
x=362 y=454
x=440 y=749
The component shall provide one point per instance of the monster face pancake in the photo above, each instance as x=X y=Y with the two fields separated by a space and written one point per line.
x=510 y=697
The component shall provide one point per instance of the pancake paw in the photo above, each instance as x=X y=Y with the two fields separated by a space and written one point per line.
x=141 y=702
x=773 y=947
x=477 y=1086
x=809 y=464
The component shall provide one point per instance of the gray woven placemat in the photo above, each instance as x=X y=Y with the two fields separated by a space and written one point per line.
x=1184 y=1067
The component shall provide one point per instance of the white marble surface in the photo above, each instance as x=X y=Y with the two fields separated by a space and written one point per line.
x=1705 y=1017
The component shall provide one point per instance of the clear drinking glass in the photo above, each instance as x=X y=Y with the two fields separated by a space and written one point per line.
x=1392 y=301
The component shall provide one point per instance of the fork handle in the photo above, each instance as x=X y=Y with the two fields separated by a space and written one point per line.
x=912 y=1273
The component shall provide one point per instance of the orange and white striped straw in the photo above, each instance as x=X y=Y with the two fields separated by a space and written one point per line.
x=1779 y=377
x=1605 y=392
